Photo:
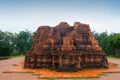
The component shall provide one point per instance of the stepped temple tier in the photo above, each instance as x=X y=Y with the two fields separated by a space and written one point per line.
x=65 y=48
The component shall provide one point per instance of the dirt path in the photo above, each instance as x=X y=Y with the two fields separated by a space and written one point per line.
x=7 y=64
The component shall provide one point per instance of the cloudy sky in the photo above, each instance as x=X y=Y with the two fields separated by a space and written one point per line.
x=101 y=15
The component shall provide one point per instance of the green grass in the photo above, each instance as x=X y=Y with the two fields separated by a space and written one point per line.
x=9 y=57
x=84 y=77
x=111 y=56
x=49 y=78
x=18 y=56
x=52 y=79
x=102 y=74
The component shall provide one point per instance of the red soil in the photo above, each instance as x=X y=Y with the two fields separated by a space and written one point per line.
x=46 y=73
x=6 y=65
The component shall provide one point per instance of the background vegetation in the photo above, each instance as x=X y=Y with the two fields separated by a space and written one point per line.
x=12 y=44
x=110 y=43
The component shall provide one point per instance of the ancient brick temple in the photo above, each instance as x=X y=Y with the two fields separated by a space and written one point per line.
x=65 y=48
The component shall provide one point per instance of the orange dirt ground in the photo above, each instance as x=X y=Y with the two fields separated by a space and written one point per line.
x=46 y=73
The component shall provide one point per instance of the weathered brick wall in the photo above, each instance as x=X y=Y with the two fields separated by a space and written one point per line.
x=65 y=47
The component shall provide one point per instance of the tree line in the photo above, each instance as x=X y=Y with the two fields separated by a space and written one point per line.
x=12 y=44
x=110 y=43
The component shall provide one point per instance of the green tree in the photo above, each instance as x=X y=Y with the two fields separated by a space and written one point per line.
x=5 y=43
x=114 y=43
x=24 y=41
x=102 y=39
x=15 y=44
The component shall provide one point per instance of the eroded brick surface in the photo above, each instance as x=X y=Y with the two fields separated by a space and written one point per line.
x=65 y=48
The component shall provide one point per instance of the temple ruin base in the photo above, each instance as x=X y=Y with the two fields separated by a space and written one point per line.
x=66 y=61
x=65 y=48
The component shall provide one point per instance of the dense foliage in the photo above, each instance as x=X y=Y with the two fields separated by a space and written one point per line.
x=15 y=43
x=109 y=42
x=19 y=43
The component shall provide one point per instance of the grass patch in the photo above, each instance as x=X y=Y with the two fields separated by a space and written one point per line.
x=113 y=72
x=88 y=77
x=102 y=74
x=83 y=77
x=9 y=57
x=18 y=56
x=52 y=79
x=112 y=56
